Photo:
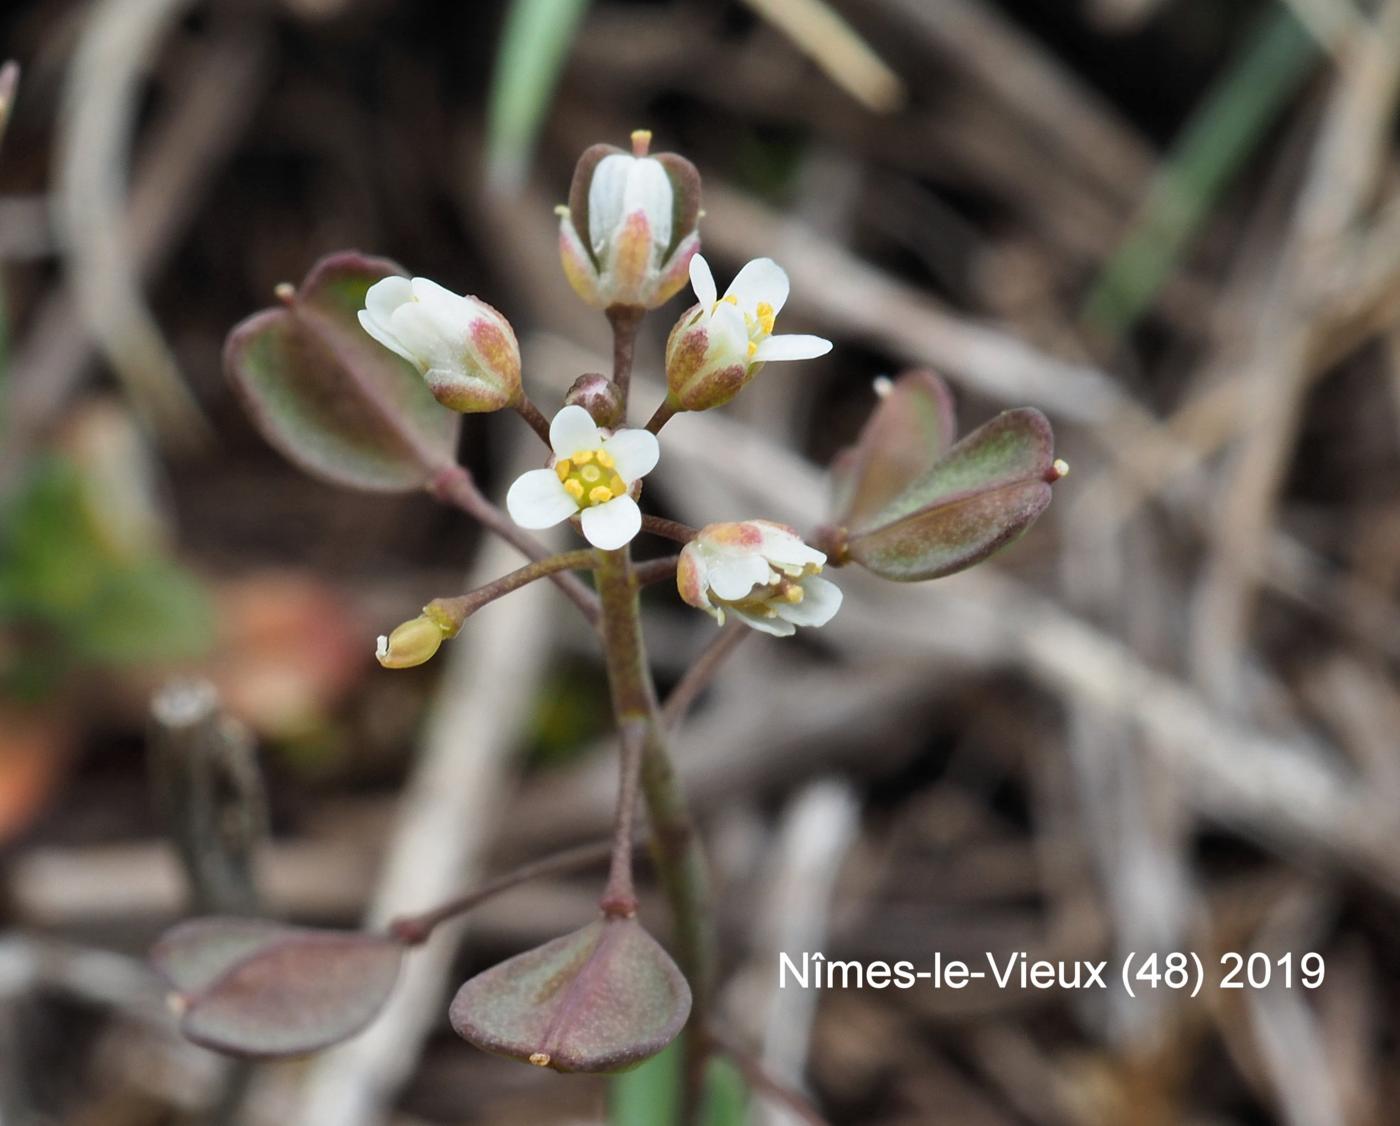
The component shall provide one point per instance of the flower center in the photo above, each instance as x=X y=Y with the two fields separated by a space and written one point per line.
x=590 y=477
x=760 y=601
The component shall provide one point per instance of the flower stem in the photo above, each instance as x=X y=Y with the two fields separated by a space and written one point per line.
x=454 y=485
x=656 y=570
x=620 y=896
x=625 y=321
x=455 y=611
x=413 y=930
x=699 y=675
x=670 y=529
x=661 y=417
x=531 y=414
x=676 y=853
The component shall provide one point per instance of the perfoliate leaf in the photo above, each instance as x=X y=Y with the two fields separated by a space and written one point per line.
x=334 y=401
x=600 y=999
x=248 y=987
x=912 y=427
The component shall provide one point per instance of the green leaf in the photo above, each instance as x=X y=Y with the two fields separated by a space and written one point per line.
x=534 y=45
x=600 y=999
x=329 y=397
x=252 y=988
x=911 y=428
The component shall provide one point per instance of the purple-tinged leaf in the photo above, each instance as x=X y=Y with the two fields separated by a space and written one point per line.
x=950 y=535
x=249 y=987
x=331 y=399
x=601 y=999
x=911 y=428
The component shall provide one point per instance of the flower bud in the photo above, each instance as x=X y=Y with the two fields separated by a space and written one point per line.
x=412 y=643
x=465 y=349
x=628 y=233
x=721 y=343
x=599 y=396
x=761 y=572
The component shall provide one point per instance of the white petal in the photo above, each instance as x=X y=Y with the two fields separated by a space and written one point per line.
x=760 y=280
x=796 y=347
x=819 y=605
x=733 y=578
x=381 y=333
x=784 y=549
x=537 y=500
x=729 y=335
x=612 y=525
x=605 y=196
x=572 y=430
x=775 y=626
x=435 y=341
x=703 y=282
x=635 y=453
x=649 y=190
x=386 y=295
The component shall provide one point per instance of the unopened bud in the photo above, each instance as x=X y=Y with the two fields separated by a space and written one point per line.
x=628 y=233
x=599 y=396
x=410 y=644
x=465 y=349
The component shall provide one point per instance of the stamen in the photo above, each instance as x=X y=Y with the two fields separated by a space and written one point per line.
x=604 y=459
x=794 y=594
x=766 y=316
x=574 y=489
x=600 y=494
x=583 y=457
x=753 y=349
x=563 y=467
x=617 y=486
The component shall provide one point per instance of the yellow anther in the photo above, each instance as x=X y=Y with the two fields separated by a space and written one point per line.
x=574 y=489
x=753 y=349
x=730 y=298
x=604 y=459
x=539 y=1059
x=563 y=467
x=1061 y=467
x=616 y=485
x=600 y=494
x=583 y=457
x=641 y=141
x=794 y=594
x=766 y=316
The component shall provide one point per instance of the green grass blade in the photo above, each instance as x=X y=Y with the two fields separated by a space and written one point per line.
x=1215 y=143
x=534 y=44
x=648 y=1095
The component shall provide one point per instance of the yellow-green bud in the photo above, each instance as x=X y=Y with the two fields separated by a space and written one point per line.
x=410 y=644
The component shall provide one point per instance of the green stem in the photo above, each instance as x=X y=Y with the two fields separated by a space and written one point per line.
x=680 y=865
x=625 y=321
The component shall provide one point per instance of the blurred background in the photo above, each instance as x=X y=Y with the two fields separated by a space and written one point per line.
x=1166 y=720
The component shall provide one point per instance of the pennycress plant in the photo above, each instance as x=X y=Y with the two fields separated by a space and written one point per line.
x=360 y=376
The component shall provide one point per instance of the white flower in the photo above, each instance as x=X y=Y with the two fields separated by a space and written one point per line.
x=629 y=229
x=592 y=473
x=466 y=351
x=760 y=571
x=720 y=344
